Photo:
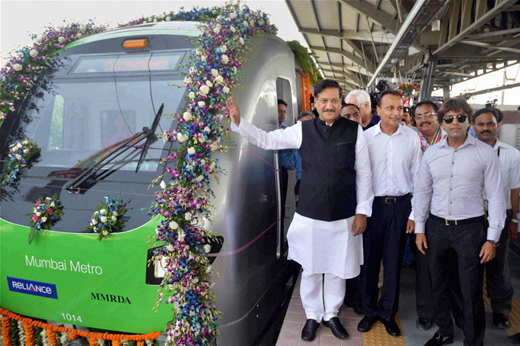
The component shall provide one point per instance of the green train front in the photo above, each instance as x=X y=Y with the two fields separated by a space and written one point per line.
x=93 y=95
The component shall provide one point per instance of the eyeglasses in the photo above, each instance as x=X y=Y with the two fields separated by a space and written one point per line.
x=460 y=118
x=425 y=116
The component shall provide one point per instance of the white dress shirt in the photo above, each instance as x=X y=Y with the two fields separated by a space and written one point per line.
x=510 y=165
x=452 y=183
x=395 y=160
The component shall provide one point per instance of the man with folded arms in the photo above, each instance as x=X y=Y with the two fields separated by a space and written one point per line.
x=335 y=200
x=454 y=176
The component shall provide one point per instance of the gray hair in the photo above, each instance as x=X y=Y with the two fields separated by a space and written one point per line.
x=362 y=97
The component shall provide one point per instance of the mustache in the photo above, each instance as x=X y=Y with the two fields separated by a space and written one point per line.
x=425 y=123
x=485 y=131
x=329 y=110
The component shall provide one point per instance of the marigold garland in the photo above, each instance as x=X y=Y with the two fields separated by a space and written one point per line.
x=50 y=330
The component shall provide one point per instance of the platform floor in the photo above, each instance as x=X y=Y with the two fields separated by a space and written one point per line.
x=295 y=319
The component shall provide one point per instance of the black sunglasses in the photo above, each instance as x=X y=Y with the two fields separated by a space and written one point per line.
x=460 y=118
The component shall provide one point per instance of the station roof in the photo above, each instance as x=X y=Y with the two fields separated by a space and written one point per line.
x=357 y=41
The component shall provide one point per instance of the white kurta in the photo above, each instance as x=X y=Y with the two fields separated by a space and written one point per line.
x=325 y=247
x=321 y=246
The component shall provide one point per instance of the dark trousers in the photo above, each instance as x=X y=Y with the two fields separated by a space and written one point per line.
x=454 y=251
x=423 y=283
x=498 y=278
x=353 y=292
x=384 y=239
x=284 y=181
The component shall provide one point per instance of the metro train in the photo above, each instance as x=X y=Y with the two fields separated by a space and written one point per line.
x=72 y=114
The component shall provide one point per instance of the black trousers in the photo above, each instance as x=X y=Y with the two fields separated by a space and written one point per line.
x=453 y=251
x=498 y=278
x=384 y=239
x=423 y=284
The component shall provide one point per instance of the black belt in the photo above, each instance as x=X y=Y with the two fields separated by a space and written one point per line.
x=460 y=222
x=394 y=199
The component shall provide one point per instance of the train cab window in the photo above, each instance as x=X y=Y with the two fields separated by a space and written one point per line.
x=283 y=91
x=56 y=132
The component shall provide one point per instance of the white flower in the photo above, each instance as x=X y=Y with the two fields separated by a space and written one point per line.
x=181 y=234
x=216 y=30
x=207 y=248
x=232 y=15
x=163 y=184
x=214 y=146
x=223 y=48
x=204 y=90
x=17 y=67
x=187 y=116
x=208 y=83
x=114 y=218
x=214 y=72
x=18 y=156
x=191 y=150
x=19 y=54
x=187 y=216
x=181 y=138
x=225 y=59
x=251 y=23
x=25 y=142
x=26 y=151
x=44 y=219
x=201 y=103
x=61 y=39
x=102 y=211
x=53 y=204
x=207 y=129
x=219 y=79
x=169 y=247
x=200 y=178
x=212 y=166
x=191 y=95
x=202 y=139
x=115 y=213
x=173 y=225
x=261 y=22
x=187 y=80
x=33 y=53
x=104 y=219
x=105 y=232
x=38 y=213
x=79 y=35
x=225 y=89
x=208 y=270
x=233 y=29
x=93 y=222
x=245 y=23
x=241 y=40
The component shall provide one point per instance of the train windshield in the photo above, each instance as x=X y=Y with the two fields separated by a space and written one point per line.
x=81 y=113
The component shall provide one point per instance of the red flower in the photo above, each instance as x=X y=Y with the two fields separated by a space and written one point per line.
x=38 y=203
x=50 y=211
x=35 y=218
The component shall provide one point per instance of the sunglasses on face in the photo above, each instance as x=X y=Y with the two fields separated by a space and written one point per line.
x=460 y=118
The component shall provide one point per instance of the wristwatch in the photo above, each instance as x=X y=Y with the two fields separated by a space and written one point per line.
x=514 y=220
x=495 y=243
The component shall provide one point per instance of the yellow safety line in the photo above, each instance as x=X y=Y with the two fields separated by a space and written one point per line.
x=377 y=336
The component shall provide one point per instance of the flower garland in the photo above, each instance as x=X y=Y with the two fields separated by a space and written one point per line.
x=21 y=153
x=48 y=333
x=184 y=202
x=18 y=76
x=108 y=218
x=46 y=212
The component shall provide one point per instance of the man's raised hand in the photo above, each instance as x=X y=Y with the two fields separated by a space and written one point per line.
x=234 y=112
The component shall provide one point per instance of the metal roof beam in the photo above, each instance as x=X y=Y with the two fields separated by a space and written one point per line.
x=379 y=36
x=481 y=15
x=348 y=55
x=367 y=9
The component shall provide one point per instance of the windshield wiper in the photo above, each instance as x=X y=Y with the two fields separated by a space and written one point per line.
x=115 y=151
x=150 y=136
